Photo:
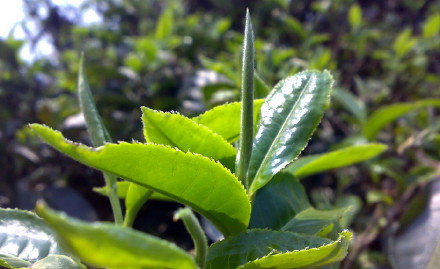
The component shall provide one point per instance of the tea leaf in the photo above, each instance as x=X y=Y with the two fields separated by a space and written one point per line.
x=313 y=221
x=355 y=16
x=352 y=104
x=181 y=132
x=188 y=178
x=289 y=117
x=12 y=262
x=165 y=25
x=123 y=189
x=339 y=158
x=24 y=238
x=57 y=261
x=431 y=27
x=278 y=202
x=108 y=245
x=276 y=249
x=388 y=114
x=225 y=119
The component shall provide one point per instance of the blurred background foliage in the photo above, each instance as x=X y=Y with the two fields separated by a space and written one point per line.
x=185 y=56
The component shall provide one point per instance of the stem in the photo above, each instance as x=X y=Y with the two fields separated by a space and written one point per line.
x=133 y=208
x=112 y=193
x=192 y=225
x=247 y=115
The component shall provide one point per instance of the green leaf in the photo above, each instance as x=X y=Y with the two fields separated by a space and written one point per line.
x=136 y=198
x=225 y=119
x=188 y=178
x=165 y=24
x=25 y=236
x=276 y=250
x=352 y=104
x=355 y=16
x=261 y=88
x=57 y=261
x=404 y=42
x=123 y=189
x=112 y=246
x=387 y=114
x=12 y=262
x=278 y=202
x=339 y=158
x=313 y=221
x=431 y=27
x=179 y=131
x=289 y=117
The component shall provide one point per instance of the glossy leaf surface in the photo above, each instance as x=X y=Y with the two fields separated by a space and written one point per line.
x=276 y=249
x=278 y=202
x=25 y=236
x=188 y=178
x=179 y=131
x=387 y=114
x=339 y=158
x=289 y=117
x=313 y=221
x=225 y=119
x=112 y=246
x=57 y=261
x=12 y=262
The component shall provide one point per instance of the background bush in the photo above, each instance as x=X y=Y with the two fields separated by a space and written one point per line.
x=185 y=56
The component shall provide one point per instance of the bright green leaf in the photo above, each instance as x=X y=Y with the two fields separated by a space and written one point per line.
x=339 y=158
x=355 y=16
x=404 y=42
x=123 y=189
x=165 y=24
x=289 y=117
x=278 y=202
x=25 y=236
x=188 y=178
x=276 y=250
x=225 y=119
x=112 y=246
x=387 y=114
x=431 y=27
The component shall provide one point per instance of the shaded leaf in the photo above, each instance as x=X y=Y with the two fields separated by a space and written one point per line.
x=276 y=249
x=339 y=158
x=278 y=202
x=112 y=246
x=349 y=101
x=388 y=114
x=225 y=119
x=25 y=237
x=289 y=117
x=186 y=177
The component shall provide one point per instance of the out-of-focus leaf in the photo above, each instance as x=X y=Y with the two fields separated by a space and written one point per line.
x=431 y=27
x=112 y=246
x=335 y=159
x=355 y=16
x=388 y=114
x=404 y=42
x=188 y=178
x=349 y=101
x=222 y=68
x=275 y=249
x=26 y=237
x=165 y=25
x=261 y=90
x=57 y=261
x=225 y=119
x=289 y=117
x=278 y=202
x=12 y=262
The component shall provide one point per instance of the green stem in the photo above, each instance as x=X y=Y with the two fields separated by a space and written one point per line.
x=247 y=124
x=112 y=193
x=192 y=225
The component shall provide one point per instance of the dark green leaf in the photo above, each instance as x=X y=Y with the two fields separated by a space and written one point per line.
x=289 y=117
x=278 y=202
x=276 y=250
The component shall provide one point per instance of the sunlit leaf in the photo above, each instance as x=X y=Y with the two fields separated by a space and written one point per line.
x=188 y=178
x=123 y=189
x=12 y=262
x=57 y=261
x=225 y=119
x=289 y=117
x=112 y=246
x=165 y=25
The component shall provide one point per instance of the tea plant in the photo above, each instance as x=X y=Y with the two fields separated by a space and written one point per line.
x=262 y=209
